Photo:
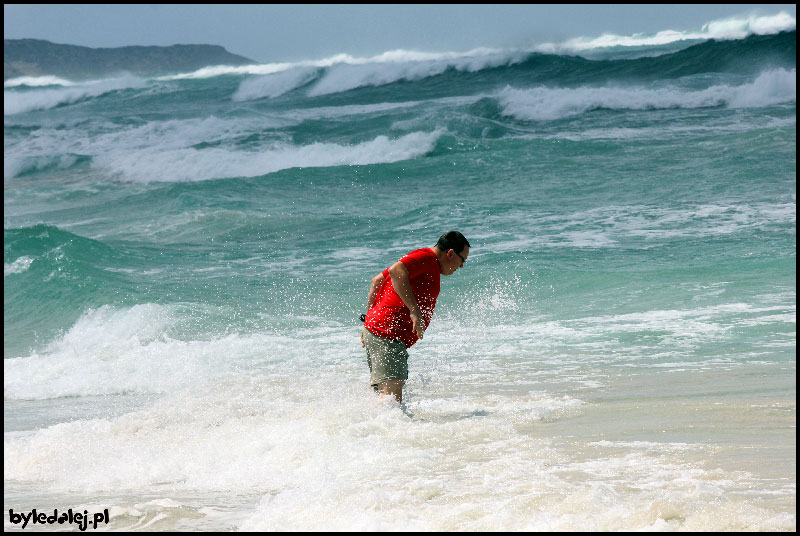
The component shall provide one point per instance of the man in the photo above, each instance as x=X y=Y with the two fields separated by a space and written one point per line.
x=400 y=306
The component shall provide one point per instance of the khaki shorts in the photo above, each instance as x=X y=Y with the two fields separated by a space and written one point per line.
x=387 y=358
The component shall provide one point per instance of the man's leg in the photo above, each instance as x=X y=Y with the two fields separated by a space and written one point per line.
x=392 y=387
x=387 y=358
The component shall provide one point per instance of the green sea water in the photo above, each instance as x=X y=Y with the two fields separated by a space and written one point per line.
x=186 y=259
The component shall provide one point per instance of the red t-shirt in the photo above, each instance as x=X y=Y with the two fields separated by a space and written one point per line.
x=389 y=317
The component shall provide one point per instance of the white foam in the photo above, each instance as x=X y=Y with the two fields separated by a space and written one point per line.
x=338 y=458
x=472 y=59
x=187 y=164
x=16 y=102
x=770 y=87
x=37 y=81
x=347 y=77
x=409 y=67
x=729 y=28
x=289 y=419
x=343 y=72
x=170 y=134
x=165 y=150
x=546 y=104
x=533 y=407
x=112 y=351
x=57 y=146
x=18 y=266
x=274 y=85
x=16 y=164
x=346 y=71
x=224 y=70
x=652 y=337
x=38 y=150
x=737 y=28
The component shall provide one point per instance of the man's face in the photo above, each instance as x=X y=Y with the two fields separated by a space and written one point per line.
x=454 y=261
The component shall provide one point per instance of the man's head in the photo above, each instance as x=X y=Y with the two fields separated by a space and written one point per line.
x=453 y=250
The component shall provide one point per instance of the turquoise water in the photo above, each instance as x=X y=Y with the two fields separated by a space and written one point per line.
x=186 y=259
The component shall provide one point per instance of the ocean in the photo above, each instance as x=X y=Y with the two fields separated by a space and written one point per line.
x=186 y=258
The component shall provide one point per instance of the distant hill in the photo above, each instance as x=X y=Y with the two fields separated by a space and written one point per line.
x=35 y=57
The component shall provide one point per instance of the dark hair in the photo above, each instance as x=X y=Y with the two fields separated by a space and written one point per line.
x=452 y=240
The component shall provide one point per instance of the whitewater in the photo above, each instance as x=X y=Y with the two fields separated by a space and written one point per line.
x=186 y=258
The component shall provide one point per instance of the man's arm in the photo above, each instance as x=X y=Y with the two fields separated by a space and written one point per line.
x=402 y=285
x=373 y=290
x=373 y=293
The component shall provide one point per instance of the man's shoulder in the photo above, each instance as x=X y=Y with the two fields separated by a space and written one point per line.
x=421 y=261
x=422 y=255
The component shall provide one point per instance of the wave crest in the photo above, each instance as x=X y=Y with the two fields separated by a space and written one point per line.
x=274 y=85
x=347 y=76
x=730 y=28
x=188 y=164
x=37 y=81
x=17 y=102
x=547 y=104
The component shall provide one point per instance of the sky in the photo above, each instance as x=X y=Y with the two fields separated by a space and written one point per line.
x=271 y=33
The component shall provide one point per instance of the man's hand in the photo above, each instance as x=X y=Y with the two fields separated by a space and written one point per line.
x=417 y=324
x=362 y=340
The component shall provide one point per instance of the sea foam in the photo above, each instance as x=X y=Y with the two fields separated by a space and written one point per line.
x=18 y=266
x=16 y=102
x=126 y=151
x=144 y=349
x=189 y=164
x=344 y=72
x=388 y=69
x=37 y=81
x=729 y=28
x=546 y=104
x=274 y=85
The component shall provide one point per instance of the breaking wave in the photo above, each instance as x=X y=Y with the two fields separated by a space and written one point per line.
x=16 y=102
x=189 y=164
x=545 y=104
x=729 y=28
